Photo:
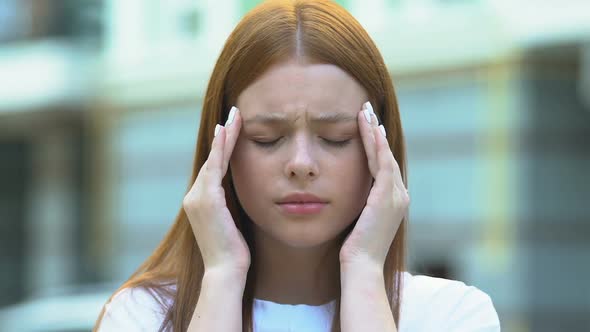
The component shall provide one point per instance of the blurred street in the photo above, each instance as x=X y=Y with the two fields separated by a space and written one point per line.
x=100 y=105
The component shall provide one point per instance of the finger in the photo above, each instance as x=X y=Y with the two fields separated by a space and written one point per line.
x=202 y=170
x=233 y=126
x=368 y=139
x=215 y=160
x=389 y=173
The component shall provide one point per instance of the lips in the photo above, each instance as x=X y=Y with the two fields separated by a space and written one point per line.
x=301 y=204
x=301 y=208
x=301 y=198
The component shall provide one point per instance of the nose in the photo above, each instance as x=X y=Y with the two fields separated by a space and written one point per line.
x=302 y=164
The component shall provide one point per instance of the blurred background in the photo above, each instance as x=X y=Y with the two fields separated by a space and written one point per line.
x=100 y=107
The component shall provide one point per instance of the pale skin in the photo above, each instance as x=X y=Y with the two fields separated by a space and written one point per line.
x=301 y=252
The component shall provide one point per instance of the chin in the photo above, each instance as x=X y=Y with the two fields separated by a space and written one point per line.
x=303 y=235
x=305 y=243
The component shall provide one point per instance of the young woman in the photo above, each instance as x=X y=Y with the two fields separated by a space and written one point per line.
x=295 y=219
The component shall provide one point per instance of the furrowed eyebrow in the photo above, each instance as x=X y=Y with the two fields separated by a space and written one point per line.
x=271 y=118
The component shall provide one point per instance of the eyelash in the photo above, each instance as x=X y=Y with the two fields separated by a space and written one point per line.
x=336 y=144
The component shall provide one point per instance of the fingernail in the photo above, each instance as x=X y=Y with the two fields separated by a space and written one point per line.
x=217 y=129
x=230 y=117
x=382 y=130
x=369 y=111
x=367 y=114
x=369 y=107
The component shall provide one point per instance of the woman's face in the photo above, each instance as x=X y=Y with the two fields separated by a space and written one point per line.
x=281 y=107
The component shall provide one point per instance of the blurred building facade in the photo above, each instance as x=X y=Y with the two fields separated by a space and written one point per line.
x=100 y=108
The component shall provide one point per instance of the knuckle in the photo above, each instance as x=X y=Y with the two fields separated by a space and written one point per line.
x=388 y=161
x=187 y=200
x=401 y=198
x=190 y=202
x=404 y=199
x=195 y=201
x=392 y=162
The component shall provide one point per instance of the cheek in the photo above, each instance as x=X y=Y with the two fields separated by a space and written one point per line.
x=253 y=188
x=241 y=163
x=247 y=168
x=356 y=162
x=355 y=178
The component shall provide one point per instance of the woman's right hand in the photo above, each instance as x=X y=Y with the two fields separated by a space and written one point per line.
x=222 y=245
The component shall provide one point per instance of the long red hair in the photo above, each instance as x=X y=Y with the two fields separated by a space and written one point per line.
x=272 y=32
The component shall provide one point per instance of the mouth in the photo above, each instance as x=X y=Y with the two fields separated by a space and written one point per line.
x=300 y=198
x=302 y=208
x=301 y=203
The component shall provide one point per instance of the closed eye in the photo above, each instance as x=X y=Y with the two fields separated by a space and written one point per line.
x=270 y=144
x=337 y=143
x=266 y=144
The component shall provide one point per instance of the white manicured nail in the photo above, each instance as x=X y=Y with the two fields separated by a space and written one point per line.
x=230 y=117
x=367 y=114
x=217 y=129
x=368 y=109
x=382 y=130
x=368 y=106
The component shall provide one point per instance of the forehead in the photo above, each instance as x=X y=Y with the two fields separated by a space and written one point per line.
x=287 y=91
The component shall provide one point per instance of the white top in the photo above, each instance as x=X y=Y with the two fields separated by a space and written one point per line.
x=428 y=304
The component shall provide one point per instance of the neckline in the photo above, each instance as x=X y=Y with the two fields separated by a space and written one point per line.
x=300 y=305
x=406 y=275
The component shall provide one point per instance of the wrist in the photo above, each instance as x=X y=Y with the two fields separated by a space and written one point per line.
x=364 y=266
x=361 y=271
x=225 y=277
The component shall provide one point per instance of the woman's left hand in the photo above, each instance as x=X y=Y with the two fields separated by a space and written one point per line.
x=387 y=204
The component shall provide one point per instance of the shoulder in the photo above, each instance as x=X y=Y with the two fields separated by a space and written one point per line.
x=430 y=303
x=134 y=309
